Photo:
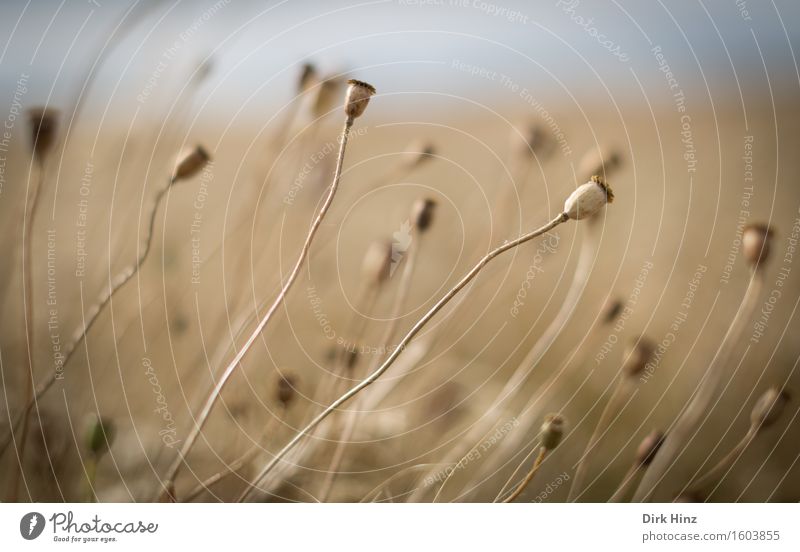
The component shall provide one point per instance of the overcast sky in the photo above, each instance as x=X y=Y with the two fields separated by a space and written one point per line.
x=588 y=49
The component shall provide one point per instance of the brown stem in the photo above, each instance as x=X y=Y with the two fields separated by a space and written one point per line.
x=92 y=315
x=685 y=427
x=562 y=217
x=353 y=415
x=726 y=462
x=627 y=482
x=215 y=393
x=605 y=418
x=529 y=477
x=27 y=267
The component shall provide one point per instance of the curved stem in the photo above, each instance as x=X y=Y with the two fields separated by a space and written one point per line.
x=562 y=217
x=484 y=425
x=611 y=407
x=215 y=393
x=685 y=427
x=27 y=283
x=529 y=477
x=237 y=464
x=92 y=315
x=353 y=415
x=627 y=482
x=726 y=462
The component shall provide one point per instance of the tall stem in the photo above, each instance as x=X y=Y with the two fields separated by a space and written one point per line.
x=114 y=285
x=583 y=463
x=353 y=416
x=562 y=217
x=714 y=473
x=215 y=393
x=27 y=283
x=529 y=477
x=685 y=427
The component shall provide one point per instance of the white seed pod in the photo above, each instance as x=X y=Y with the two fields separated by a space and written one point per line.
x=552 y=431
x=768 y=407
x=588 y=199
x=756 y=240
x=358 y=95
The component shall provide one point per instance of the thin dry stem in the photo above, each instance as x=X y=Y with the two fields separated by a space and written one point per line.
x=627 y=482
x=485 y=424
x=612 y=406
x=92 y=315
x=353 y=415
x=726 y=462
x=529 y=477
x=27 y=267
x=562 y=217
x=686 y=426
x=215 y=393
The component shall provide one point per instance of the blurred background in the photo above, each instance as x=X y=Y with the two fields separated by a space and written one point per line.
x=494 y=110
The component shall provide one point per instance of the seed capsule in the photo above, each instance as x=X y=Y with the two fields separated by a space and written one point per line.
x=588 y=199
x=357 y=99
x=769 y=407
x=191 y=164
x=756 y=240
x=552 y=431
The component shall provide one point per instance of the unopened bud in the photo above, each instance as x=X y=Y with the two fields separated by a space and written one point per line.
x=769 y=407
x=191 y=163
x=638 y=355
x=99 y=434
x=649 y=447
x=285 y=390
x=326 y=96
x=420 y=152
x=422 y=213
x=588 y=199
x=357 y=98
x=43 y=123
x=308 y=75
x=611 y=310
x=552 y=431
x=756 y=240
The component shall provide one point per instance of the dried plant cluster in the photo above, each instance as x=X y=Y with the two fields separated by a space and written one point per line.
x=313 y=436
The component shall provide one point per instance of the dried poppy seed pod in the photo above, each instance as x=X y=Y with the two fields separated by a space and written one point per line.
x=190 y=164
x=768 y=408
x=99 y=434
x=422 y=213
x=649 y=447
x=377 y=262
x=552 y=431
x=533 y=142
x=308 y=74
x=602 y=162
x=43 y=123
x=588 y=199
x=326 y=96
x=756 y=240
x=420 y=153
x=611 y=310
x=285 y=390
x=639 y=354
x=357 y=98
